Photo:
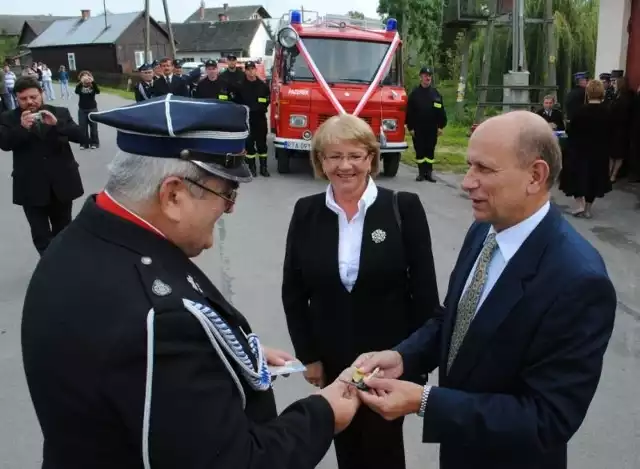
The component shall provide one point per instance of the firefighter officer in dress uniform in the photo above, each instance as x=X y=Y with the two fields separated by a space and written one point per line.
x=576 y=98
x=211 y=86
x=609 y=91
x=146 y=365
x=157 y=69
x=142 y=91
x=254 y=93
x=425 y=120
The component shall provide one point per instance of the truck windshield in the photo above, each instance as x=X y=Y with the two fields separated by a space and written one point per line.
x=341 y=61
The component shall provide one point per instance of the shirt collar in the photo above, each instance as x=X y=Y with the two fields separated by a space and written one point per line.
x=511 y=239
x=367 y=199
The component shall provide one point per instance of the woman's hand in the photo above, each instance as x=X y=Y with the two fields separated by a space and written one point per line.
x=314 y=374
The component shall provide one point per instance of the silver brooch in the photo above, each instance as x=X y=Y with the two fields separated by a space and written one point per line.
x=194 y=284
x=160 y=288
x=378 y=236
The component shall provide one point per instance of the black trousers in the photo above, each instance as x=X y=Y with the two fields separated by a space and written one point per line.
x=256 y=143
x=424 y=144
x=371 y=442
x=89 y=128
x=47 y=221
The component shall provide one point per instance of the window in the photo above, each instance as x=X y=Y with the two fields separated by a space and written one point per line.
x=341 y=61
x=71 y=59
x=139 y=56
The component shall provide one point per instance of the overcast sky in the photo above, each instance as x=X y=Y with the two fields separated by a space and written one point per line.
x=180 y=9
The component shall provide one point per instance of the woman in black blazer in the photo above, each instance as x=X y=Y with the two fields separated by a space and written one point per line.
x=358 y=276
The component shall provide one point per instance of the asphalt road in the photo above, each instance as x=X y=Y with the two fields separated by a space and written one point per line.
x=246 y=265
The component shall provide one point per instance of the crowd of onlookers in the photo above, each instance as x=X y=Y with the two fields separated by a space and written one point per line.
x=42 y=73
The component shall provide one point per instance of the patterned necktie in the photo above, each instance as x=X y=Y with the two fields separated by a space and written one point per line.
x=470 y=298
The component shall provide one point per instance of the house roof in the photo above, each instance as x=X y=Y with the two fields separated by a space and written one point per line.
x=218 y=36
x=233 y=13
x=75 y=31
x=11 y=25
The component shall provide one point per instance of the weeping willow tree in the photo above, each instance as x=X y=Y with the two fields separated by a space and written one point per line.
x=576 y=29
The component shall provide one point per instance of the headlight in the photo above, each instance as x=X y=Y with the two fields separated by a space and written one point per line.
x=298 y=121
x=288 y=37
x=389 y=124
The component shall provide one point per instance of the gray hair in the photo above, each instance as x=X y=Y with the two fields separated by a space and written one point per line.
x=137 y=178
x=540 y=143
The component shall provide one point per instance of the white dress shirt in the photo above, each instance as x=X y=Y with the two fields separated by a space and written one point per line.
x=509 y=241
x=350 y=233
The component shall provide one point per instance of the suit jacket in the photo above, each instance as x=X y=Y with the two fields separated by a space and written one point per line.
x=395 y=293
x=84 y=340
x=43 y=162
x=530 y=363
x=179 y=86
x=556 y=117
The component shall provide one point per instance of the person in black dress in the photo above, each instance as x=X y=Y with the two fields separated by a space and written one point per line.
x=358 y=276
x=622 y=117
x=588 y=163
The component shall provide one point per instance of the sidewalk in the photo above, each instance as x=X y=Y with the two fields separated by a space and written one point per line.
x=614 y=231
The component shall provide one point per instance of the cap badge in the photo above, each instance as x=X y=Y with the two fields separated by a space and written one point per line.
x=160 y=288
x=378 y=236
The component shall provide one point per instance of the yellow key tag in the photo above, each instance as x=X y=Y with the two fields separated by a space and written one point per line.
x=223 y=97
x=262 y=100
x=437 y=105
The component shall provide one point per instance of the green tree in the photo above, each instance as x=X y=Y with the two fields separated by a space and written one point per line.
x=356 y=15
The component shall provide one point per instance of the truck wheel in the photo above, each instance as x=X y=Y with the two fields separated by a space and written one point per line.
x=282 y=155
x=390 y=163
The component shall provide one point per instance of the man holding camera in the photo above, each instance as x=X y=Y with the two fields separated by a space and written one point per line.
x=46 y=179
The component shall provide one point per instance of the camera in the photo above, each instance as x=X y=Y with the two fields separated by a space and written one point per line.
x=37 y=116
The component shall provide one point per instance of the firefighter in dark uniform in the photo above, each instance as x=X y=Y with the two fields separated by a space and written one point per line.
x=157 y=69
x=426 y=117
x=133 y=358
x=177 y=67
x=233 y=76
x=212 y=87
x=576 y=98
x=609 y=91
x=142 y=91
x=254 y=93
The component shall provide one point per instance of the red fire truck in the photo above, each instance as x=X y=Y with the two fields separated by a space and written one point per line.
x=335 y=64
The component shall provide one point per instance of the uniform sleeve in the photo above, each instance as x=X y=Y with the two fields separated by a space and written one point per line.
x=295 y=297
x=411 y=111
x=442 y=113
x=195 y=413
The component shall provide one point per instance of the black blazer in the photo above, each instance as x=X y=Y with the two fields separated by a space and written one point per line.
x=43 y=162
x=396 y=289
x=84 y=343
x=529 y=366
x=556 y=117
x=179 y=86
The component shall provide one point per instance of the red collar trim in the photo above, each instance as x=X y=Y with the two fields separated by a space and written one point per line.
x=106 y=203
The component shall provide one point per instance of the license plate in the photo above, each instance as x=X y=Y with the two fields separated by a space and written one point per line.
x=305 y=146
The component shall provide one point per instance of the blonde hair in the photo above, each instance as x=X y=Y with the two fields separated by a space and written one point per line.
x=595 y=90
x=344 y=128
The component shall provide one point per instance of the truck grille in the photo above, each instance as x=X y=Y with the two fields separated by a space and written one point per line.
x=324 y=117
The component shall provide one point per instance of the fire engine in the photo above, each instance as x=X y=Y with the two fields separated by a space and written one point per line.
x=334 y=64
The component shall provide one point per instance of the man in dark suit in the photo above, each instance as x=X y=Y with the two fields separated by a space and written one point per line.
x=528 y=316
x=46 y=179
x=553 y=116
x=170 y=82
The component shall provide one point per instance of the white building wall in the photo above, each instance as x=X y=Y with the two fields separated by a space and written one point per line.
x=613 y=38
x=259 y=42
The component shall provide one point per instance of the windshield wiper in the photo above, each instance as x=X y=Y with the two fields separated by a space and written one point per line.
x=351 y=80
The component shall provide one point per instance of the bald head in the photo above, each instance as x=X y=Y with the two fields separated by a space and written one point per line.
x=528 y=137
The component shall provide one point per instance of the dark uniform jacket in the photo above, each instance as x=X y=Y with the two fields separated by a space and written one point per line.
x=212 y=89
x=425 y=110
x=143 y=91
x=396 y=289
x=233 y=79
x=87 y=325
x=255 y=95
x=43 y=163
x=179 y=86
x=576 y=98
x=555 y=117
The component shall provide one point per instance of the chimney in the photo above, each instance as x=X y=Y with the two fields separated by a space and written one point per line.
x=201 y=11
x=85 y=14
x=225 y=6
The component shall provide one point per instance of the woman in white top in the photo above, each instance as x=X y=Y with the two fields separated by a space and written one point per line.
x=47 y=83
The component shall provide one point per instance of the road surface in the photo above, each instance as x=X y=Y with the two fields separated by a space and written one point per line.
x=246 y=265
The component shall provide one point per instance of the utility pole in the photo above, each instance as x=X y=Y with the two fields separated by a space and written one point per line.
x=168 y=20
x=147 y=33
x=551 y=48
x=104 y=5
x=486 y=60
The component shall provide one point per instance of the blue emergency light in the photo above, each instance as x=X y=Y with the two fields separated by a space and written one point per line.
x=295 y=17
x=392 y=25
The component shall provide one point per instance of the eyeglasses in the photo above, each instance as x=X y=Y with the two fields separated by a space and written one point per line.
x=352 y=157
x=230 y=196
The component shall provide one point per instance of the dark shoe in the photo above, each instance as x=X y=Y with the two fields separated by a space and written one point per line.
x=429 y=177
x=251 y=163
x=421 y=169
x=263 y=168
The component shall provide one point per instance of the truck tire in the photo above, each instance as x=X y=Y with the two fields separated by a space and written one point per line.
x=391 y=163
x=283 y=157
